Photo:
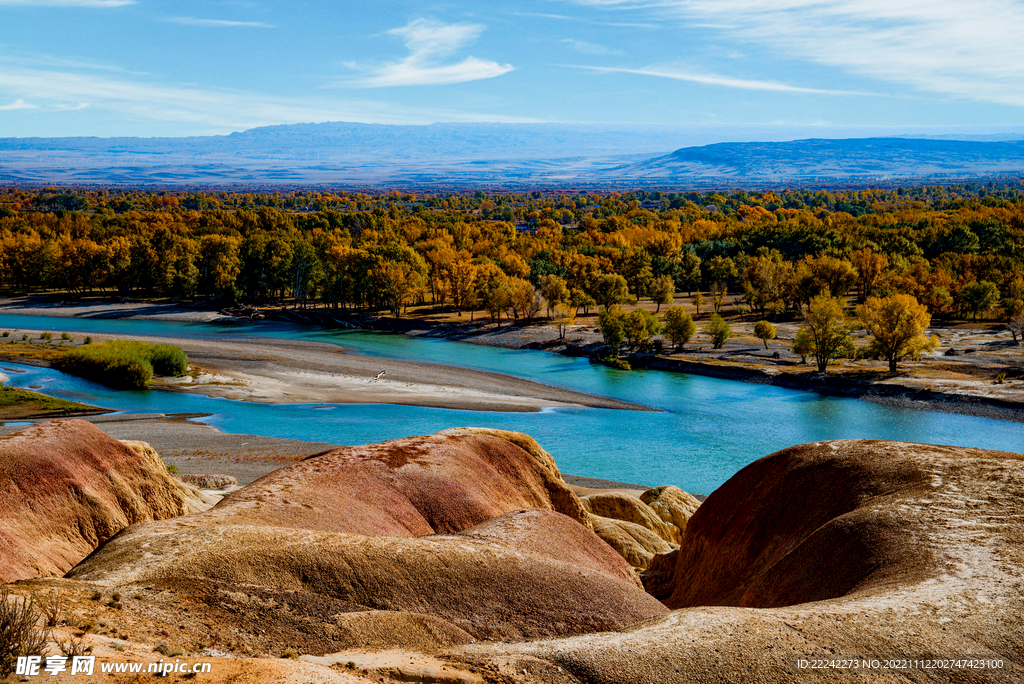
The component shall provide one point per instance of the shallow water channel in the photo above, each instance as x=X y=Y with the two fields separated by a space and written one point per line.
x=705 y=430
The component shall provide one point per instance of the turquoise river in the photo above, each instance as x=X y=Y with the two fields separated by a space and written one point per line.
x=704 y=431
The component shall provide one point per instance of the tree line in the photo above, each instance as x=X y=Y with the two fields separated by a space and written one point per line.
x=958 y=251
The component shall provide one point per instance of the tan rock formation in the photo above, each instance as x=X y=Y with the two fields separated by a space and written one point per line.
x=866 y=548
x=635 y=543
x=407 y=487
x=195 y=499
x=66 y=487
x=630 y=509
x=357 y=524
x=672 y=505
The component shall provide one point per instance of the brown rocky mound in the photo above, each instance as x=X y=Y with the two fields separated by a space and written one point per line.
x=440 y=483
x=866 y=548
x=630 y=509
x=672 y=505
x=630 y=527
x=356 y=525
x=66 y=487
x=483 y=584
x=635 y=543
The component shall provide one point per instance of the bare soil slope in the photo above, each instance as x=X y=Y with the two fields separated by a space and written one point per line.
x=65 y=488
x=359 y=526
x=876 y=549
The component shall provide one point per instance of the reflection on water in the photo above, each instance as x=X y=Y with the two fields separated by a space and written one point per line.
x=705 y=431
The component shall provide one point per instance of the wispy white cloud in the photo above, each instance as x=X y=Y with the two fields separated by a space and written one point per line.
x=200 y=109
x=18 y=104
x=970 y=50
x=69 y=107
x=717 y=80
x=590 y=48
x=217 y=23
x=580 y=20
x=429 y=43
x=69 y=3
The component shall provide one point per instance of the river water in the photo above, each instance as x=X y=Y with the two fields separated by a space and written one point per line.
x=704 y=431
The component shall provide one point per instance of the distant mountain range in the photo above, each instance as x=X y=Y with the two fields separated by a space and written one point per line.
x=879 y=159
x=502 y=155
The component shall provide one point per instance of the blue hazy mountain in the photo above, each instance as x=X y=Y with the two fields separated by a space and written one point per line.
x=453 y=154
x=861 y=158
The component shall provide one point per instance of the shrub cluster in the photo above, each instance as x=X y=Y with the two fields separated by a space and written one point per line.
x=124 y=364
x=19 y=634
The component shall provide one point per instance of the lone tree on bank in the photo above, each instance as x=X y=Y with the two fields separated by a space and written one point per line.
x=718 y=330
x=825 y=333
x=897 y=324
x=764 y=331
x=679 y=326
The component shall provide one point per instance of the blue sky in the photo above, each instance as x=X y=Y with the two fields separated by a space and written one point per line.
x=154 y=68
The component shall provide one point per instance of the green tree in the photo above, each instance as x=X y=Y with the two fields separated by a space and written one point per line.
x=689 y=272
x=721 y=270
x=220 y=262
x=639 y=326
x=765 y=280
x=826 y=333
x=980 y=297
x=764 y=331
x=636 y=268
x=698 y=299
x=662 y=290
x=612 y=322
x=579 y=299
x=609 y=289
x=803 y=344
x=554 y=291
x=679 y=326
x=718 y=330
x=897 y=324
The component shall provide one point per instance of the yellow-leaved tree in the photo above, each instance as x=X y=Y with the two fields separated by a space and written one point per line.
x=897 y=325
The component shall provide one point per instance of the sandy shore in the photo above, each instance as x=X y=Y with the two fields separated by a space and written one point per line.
x=293 y=371
x=32 y=306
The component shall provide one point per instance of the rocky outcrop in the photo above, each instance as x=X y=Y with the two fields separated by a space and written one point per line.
x=876 y=549
x=635 y=543
x=630 y=509
x=196 y=500
x=672 y=505
x=634 y=529
x=416 y=486
x=457 y=526
x=66 y=487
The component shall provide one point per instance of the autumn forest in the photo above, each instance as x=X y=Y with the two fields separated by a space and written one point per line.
x=957 y=250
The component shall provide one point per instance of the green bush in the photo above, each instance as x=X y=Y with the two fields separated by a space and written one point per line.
x=123 y=364
x=168 y=360
x=718 y=330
